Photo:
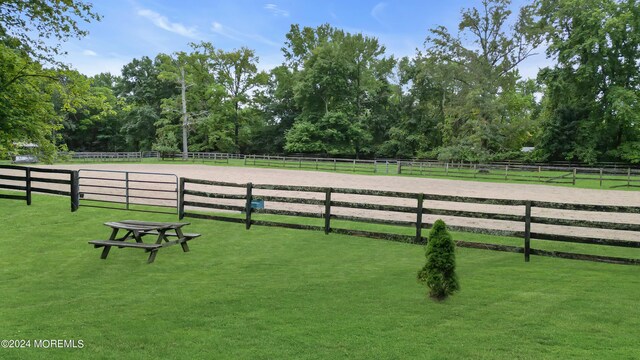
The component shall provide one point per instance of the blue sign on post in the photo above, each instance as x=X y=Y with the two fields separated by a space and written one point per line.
x=257 y=204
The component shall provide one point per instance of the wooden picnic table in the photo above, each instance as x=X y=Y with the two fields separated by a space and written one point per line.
x=137 y=230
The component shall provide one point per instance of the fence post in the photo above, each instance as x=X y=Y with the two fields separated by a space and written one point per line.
x=126 y=188
x=327 y=211
x=75 y=191
x=601 y=177
x=245 y=160
x=248 y=206
x=316 y=164
x=181 y=200
x=506 y=172
x=28 y=184
x=628 y=177
x=574 y=175
x=399 y=171
x=354 y=165
x=334 y=165
x=419 y=218
x=446 y=169
x=387 y=162
x=539 y=173
x=527 y=231
x=375 y=166
x=475 y=170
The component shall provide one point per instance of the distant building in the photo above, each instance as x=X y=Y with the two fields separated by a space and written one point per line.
x=527 y=149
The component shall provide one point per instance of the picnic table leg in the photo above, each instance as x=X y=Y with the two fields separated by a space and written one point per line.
x=137 y=236
x=183 y=240
x=152 y=256
x=105 y=252
x=185 y=247
x=114 y=232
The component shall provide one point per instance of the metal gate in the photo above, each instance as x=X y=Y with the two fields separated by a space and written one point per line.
x=129 y=190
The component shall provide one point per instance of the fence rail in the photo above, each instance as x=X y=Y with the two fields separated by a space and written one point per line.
x=139 y=155
x=101 y=156
x=511 y=218
x=628 y=177
x=24 y=178
x=323 y=164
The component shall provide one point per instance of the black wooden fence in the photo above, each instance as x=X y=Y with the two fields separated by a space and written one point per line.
x=23 y=178
x=508 y=218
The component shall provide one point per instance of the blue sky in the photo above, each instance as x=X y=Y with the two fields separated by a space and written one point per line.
x=135 y=28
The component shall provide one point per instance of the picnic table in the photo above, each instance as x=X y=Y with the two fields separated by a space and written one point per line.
x=167 y=234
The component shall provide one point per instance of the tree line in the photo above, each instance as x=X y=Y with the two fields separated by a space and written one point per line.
x=460 y=97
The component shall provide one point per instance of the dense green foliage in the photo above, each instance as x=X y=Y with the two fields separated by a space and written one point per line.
x=35 y=102
x=439 y=272
x=337 y=93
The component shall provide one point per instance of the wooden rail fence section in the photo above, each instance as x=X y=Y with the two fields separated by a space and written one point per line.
x=137 y=156
x=621 y=177
x=322 y=203
x=27 y=179
x=323 y=164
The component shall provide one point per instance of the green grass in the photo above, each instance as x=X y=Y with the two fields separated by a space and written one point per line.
x=548 y=245
x=273 y=293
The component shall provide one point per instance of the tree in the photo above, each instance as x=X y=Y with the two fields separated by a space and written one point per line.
x=596 y=82
x=279 y=111
x=439 y=272
x=143 y=91
x=33 y=22
x=238 y=74
x=25 y=85
x=203 y=115
x=92 y=121
x=420 y=108
x=481 y=63
x=342 y=90
x=174 y=70
x=166 y=145
x=26 y=107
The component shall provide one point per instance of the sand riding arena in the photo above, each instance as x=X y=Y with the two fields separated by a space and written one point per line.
x=532 y=192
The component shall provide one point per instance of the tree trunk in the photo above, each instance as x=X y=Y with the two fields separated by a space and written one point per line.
x=237 y=129
x=185 y=118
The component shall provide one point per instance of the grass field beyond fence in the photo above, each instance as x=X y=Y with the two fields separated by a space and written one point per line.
x=278 y=293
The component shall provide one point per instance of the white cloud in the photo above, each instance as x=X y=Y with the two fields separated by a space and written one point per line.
x=378 y=10
x=234 y=34
x=275 y=10
x=89 y=53
x=164 y=23
x=96 y=65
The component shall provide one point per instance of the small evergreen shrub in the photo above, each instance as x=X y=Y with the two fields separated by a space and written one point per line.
x=439 y=272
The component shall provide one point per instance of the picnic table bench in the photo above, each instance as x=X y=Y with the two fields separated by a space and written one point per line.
x=136 y=230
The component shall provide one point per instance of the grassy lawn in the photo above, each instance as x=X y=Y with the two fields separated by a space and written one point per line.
x=275 y=293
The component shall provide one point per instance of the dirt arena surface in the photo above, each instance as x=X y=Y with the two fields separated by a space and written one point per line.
x=406 y=184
